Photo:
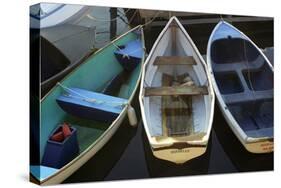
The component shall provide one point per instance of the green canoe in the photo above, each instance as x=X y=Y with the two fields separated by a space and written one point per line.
x=93 y=75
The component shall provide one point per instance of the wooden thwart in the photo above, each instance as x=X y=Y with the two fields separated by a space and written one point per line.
x=174 y=60
x=176 y=90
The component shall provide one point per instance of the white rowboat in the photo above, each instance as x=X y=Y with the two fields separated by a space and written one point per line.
x=176 y=97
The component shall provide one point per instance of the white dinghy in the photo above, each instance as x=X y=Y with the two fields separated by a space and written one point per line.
x=176 y=97
x=242 y=78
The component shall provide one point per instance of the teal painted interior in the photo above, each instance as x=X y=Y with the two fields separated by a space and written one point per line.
x=92 y=75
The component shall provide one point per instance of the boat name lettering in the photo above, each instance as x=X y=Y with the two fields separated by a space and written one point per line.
x=180 y=151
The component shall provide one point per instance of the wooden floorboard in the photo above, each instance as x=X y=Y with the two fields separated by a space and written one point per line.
x=176 y=112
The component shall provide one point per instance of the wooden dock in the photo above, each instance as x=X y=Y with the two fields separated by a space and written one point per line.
x=160 y=17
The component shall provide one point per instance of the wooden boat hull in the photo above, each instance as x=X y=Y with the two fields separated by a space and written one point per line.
x=261 y=147
x=237 y=90
x=180 y=131
x=92 y=135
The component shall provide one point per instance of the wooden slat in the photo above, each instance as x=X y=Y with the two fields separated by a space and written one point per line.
x=166 y=81
x=174 y=60
x=176 y=112
x=176 y=90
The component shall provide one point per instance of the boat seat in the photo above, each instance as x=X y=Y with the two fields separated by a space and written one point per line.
x=90 y=104
x=239 y=66
x=247 y=96
x=174 y=60
x=130 y=54
x=176 y=90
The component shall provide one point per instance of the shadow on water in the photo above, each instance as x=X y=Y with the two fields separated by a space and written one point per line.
x=132 y=163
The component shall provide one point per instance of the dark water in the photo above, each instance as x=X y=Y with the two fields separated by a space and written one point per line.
x=128 y=156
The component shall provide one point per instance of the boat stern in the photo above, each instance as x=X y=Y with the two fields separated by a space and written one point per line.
x=179 y=155
x=265 y=146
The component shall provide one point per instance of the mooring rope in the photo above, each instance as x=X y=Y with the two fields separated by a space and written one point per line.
x=248 y=71
x=221 y=18
x=88 y=99
x=104 y=20
x=151 y=20
x=129 y=53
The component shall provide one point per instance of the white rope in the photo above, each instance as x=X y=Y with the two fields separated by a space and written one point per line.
x=127 y=54
x=133 y=16
x=124 y=55
x=248 y=70
x=154 y=17
x=91 y=100
x=116 y=46
x=104 y=20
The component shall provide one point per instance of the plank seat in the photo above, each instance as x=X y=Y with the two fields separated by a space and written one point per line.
x=248 y=96
x=176 y=90
x=174 y=60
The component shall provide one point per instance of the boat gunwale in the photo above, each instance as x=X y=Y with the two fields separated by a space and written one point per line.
x=233 y=124
x=100 y=138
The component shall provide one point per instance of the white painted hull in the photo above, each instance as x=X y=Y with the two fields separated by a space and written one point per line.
x=176 y=149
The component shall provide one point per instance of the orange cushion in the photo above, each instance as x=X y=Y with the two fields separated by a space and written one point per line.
x=66 y=130
x=58 y=137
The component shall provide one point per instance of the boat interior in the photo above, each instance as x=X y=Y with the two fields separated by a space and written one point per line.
x=100 y=73
x=176 y=99
x=245 y=80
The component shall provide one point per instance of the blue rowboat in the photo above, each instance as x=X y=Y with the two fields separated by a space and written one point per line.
x=242 y=78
